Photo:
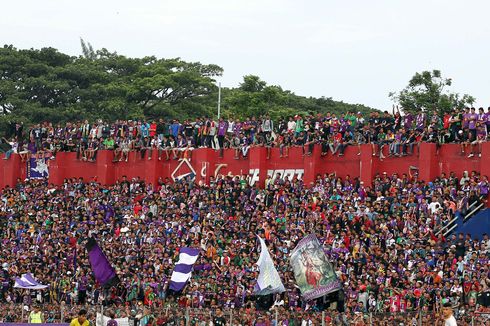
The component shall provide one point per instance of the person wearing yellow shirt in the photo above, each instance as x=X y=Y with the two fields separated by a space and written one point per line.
x=81 y=320
x=36 y=316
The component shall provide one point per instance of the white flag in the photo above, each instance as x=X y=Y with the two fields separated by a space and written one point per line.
x=268 y=281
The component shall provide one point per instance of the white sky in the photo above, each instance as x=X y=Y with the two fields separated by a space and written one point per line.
x=356 y=51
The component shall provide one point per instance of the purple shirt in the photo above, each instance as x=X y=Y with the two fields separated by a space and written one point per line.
x=484 y=187
x=466 y=120
x=408 y=121
x=82 y=285
x=237 y=128
x=32 y=148
x=222 y=127
x=472 y=120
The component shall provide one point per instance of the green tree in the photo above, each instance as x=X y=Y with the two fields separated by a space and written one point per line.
x=428 y=91
x=254 y=97
x=46 y=85
x=87 y=50
x=252 y=83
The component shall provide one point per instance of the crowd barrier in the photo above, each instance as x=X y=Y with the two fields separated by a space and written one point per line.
x=63 y=314
x=206 y=163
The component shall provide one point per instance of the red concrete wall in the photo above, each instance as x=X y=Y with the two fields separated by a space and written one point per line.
x=206 y=163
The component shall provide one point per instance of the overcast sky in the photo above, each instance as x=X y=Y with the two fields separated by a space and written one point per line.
x=355 y=51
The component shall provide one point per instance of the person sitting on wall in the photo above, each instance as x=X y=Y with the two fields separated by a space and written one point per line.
x=179 y=148
x=164 y=147
x=125 y=149
x=244 y=144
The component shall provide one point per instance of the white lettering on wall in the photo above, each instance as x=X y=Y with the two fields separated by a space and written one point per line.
x=287 y=174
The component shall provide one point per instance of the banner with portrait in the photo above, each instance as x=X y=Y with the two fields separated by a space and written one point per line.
x=313 y=272
x=37 y=168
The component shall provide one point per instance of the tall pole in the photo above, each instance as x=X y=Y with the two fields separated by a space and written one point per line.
x=219 y=100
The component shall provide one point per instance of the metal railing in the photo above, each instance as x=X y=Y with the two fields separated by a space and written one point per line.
x=451 y=224
x=477 y=206
x=143 y=315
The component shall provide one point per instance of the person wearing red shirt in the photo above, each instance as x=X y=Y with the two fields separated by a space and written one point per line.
x=153 y=129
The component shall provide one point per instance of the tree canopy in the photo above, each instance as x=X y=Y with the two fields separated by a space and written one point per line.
x=428 y=91
x=46 y=85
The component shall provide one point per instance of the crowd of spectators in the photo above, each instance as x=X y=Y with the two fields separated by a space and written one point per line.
x=381 y=238
x=389 y=134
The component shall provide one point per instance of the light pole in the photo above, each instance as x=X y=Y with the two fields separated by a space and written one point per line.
x=219 y=100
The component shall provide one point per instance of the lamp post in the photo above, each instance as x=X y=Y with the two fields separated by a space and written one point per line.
x=219 y=100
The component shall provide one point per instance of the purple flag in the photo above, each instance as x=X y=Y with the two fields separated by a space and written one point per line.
x=27 y=281
x=103 y=271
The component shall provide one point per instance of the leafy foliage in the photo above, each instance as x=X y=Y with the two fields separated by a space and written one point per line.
x=427 y=91
x=46 y=85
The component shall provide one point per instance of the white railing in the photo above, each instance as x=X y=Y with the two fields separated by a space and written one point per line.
x=451 y=225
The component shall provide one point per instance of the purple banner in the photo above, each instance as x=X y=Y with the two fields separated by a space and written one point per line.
x=37 y=168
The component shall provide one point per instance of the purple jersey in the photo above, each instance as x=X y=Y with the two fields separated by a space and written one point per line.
x=466 y=120
x=222 y=127
x=237 y=128
x=472 y=120
x=484 y=188
x=408 y=121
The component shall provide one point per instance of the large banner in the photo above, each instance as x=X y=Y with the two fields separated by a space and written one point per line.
x=37 y=168
x=313 y=272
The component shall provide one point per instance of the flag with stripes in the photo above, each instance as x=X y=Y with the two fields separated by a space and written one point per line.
x=27 y=281
x=183 y=268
